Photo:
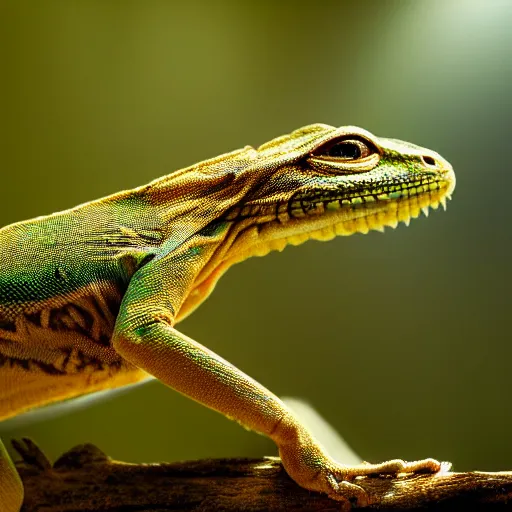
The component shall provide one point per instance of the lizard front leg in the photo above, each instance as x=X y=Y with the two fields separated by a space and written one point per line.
x=145 y=336
x=11 y=488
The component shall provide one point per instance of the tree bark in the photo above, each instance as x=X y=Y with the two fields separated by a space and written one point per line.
x=86 y=480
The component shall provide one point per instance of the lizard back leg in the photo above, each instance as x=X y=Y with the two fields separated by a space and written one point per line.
x=11 y=488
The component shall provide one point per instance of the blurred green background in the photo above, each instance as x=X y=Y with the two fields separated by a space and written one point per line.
x=401 y=341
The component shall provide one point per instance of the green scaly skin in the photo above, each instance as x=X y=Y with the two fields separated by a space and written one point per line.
x=89 y=297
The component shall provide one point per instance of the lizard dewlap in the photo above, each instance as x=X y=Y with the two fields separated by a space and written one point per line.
x=90 y=297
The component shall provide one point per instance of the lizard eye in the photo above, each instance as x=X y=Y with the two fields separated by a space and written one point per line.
x=346 y=150
x=345 y=155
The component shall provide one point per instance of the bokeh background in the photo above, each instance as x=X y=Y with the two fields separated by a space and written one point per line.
x=401 y=341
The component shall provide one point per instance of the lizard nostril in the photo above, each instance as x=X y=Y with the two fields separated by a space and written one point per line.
x=429 y=161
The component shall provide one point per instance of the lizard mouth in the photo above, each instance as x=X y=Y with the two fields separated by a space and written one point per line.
x=265 y=228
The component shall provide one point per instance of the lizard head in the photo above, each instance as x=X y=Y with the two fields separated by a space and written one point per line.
x=315 y=183
x=322 y=181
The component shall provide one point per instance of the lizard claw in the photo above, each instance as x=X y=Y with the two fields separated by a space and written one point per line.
x=349 y=493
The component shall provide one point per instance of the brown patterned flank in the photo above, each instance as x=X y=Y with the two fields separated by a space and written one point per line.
x=61 y=349
x=72 y=336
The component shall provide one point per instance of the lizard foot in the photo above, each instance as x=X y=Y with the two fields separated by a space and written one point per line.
x=317 y=472
x=339 y=477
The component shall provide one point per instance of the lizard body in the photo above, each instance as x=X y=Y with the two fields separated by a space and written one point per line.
x=89 y=297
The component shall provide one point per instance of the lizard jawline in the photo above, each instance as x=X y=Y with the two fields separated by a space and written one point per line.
x=324 y=224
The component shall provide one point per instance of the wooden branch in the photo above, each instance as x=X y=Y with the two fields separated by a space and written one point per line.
x=86 y=480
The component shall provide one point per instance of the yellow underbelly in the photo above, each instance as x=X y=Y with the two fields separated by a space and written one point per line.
x=22 y=390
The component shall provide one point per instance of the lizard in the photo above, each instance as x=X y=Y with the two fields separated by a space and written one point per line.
x=90 y=296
